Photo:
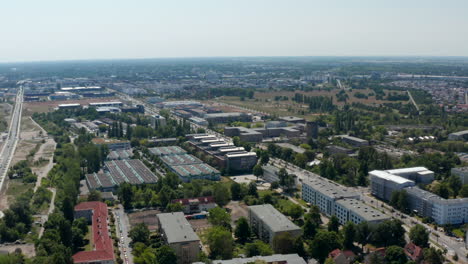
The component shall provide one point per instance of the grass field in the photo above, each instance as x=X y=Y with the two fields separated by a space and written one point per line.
x=265 y=101
x=16 y=188
x=89 y=237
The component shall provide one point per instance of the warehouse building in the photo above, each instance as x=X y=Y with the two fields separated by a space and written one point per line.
x=199 y=171
x=182 y=159
x=217 y=118
x=357 y=211
x=118 y=172
x=267 y=222
x=103 y=104
x=179 y=235
x=122 y=154
x=169 y=150
x=461 y=135
x=354 y=141
x=324 y=193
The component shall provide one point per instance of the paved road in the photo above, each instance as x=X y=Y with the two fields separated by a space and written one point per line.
x=10 y=143
x=412 y=100
x=122 y=228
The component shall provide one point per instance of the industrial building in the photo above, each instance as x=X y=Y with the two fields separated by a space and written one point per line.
x=79 y=89
x=442 y=211
x=176 y=104
x=354 y=141
x=258 y=134
x=357 y=211
x=267 y=222
x=118 y=172
x=198 y=120
x=112 y=144
x=169 y=150
x=196 y=205
x=104 y=104
x=122 y=154
x=324 y=193
x=292 y=119
x=197 y=171
x=103 y=251
x=182 y=159
x=68 y=106
x=179 y=235
x=273 y=259
x=217 y=118
x=461 y=135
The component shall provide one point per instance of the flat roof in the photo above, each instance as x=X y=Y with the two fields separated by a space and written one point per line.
x=176 y=228
x=106 y=103
x=275 y=220
x=329 y=188
x=363 y=210
x=277 y=258
x=389 y=177
x=120 y=154
x=354 y=138
x=408 y=170
x=230 y=114
x=169 y=150
x=240 y=154
x=459 y=133
x=194 y=170
x=183 y=159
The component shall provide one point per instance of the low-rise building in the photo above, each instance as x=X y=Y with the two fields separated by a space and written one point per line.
x=196 y=205
x=416 y=174
x=461 y=135
x=354 y=141
x=179 y=235
x=200 y=171
x=112 y=144
x=165 y=151
x=199 y=121
x=241 y=161
x=157 y=121
x=217 y=118
x=102 y=252
x=292 y=119
x=267 y=222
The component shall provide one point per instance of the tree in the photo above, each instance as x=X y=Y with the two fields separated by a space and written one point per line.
x=419 y=235
x=389 y=233
x=363 y=233
x=236 y=191
x=252 y=189
x=140 y=233
x=126 y=195
x=349 y=235
x=395 y=254
x=333 y=224
x=174 y=207
x=433 y=256
x=283 y=243
x=242 y=231
x=310 y=229
x=295 y=211
x=67 y=209
x=258 y=248
x=219 y=217
x=442 y=190
x=221 y=194
x=165 y=255
x=464 y=191
x=94 y=195
x=314 y=215
x=258 y=170
x=323 y=243
x=220 y=242
x=455 y=184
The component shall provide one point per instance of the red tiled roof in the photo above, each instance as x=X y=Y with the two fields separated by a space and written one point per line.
x=414 y=252
x=347 y=253
x=200 y=200
x=103 y=249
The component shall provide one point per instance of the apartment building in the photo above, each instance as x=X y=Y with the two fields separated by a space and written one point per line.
x=267 y=222
x=179 y=235
x=462 y=173
x=357 y=211
x=383 y=184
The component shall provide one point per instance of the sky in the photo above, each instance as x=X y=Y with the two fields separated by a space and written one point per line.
x=44 y=30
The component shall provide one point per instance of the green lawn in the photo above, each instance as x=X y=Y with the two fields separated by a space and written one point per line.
x=89 y=237
x=458 y=232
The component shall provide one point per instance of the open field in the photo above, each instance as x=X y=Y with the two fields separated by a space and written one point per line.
x=265 y=101
x=46 y=106
x=148 y=217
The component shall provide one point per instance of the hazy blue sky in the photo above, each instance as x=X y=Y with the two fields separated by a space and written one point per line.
x=93 y=29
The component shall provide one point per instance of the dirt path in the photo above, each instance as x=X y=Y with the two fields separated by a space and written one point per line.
x=45 y=217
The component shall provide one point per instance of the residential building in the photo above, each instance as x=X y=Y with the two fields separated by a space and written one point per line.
x=442 y=211
x=196 y=205
x=273 y=259
x=179 y=235
x=383 y=184
x=324 y=193
x=342 y=256
x=413 y=252
x=462 y=173
x=157 y=121
x=357 y=211
x=267 y=222
x=102 y=251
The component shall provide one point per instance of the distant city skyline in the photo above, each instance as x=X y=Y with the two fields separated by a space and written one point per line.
x=61 y=30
